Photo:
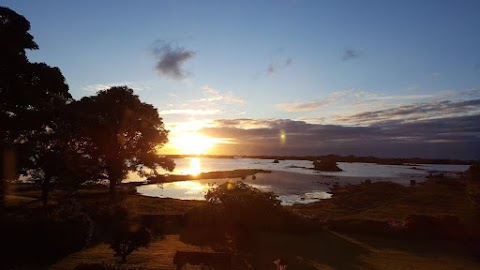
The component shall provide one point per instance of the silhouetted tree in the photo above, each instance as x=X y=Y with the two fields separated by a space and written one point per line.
x=32 y=96
x=234 y=195
x=244 y=205
x=125 y=134
x=60 y=159
x=473 y=186
x=128 y=237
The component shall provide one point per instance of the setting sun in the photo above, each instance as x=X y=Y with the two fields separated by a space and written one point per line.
x=193 y=143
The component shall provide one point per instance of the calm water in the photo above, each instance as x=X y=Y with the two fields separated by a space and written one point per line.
x=293 y=180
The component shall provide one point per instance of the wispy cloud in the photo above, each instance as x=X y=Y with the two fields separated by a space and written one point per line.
x=414 y=112
x=189 y=112
x=137 y=86
x=170 y=60
x=333 y=98
x=216 y=95
x=212 y=102
x=350 y=53
x=304 y=106
x=275 y=67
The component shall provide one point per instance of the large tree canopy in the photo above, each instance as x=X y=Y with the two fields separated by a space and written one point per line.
x=125 y=133
x=15 y=37
x=32 y=99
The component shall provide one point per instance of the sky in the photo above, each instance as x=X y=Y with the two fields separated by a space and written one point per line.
x=380 y=78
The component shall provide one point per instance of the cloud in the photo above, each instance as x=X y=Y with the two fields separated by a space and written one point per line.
x=170 y=60
x=304 y=106
x=213 y=102
x=455 y=137
x=136 y=86
x=333 y=98
x=445 y=125
x=273 y=68
x=415 y=112
x=216 y=95
x=189 y=112
x=350 y=53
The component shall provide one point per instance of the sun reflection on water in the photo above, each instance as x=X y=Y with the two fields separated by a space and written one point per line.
x=190 y=187
x=195 y=167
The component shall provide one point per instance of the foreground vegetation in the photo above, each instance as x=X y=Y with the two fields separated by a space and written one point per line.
x=432 y=225
x=67 y=219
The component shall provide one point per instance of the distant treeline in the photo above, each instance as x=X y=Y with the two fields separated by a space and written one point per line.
x=350 y=158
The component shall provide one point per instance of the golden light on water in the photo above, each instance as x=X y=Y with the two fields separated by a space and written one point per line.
x=195 y=167
x=189 y=186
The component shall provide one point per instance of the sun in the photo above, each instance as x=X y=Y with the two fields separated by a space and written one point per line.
x=192 y=143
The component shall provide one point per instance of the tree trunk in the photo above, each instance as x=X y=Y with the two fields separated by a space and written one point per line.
x=2 y=195
x=124 y=258
x=45 y=191
x=113 y=184
x=3 y=188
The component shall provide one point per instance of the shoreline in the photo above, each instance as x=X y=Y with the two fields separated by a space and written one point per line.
x=290 y=187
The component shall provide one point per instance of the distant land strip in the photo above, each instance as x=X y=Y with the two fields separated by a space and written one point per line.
x=350 y=158
x=206 y=175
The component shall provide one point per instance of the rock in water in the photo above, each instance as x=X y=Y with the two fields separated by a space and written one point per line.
x=326 y=165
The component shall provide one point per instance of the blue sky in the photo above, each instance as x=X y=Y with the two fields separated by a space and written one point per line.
x=285 y=66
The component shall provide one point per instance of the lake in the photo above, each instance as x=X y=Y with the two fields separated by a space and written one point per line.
x=294 y=181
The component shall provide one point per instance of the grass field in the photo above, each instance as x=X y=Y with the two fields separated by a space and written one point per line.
x=325 y=250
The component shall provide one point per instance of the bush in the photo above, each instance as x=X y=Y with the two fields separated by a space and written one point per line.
x=239 y=195
x=244 y=207
x=473 y=195
x=103 y=266
x=421 y=225
x=473 y=173
x=364 y=226
x=43 y=239
x=128 y=237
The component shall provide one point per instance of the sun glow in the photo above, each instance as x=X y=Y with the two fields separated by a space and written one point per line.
x=193 y=143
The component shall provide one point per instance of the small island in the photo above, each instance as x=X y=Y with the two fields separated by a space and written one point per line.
x=326 y=165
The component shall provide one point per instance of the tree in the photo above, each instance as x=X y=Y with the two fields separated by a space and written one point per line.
x=473 y=186
x=125 y=234
x=244 y=205
x=32 y=97
x=59 y=159
x=240 y=195
x=128 y=237
x=124 y=134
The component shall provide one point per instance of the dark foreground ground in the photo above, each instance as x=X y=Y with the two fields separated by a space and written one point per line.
x=369 y=226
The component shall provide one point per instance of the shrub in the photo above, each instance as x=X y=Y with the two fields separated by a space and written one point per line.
x=235 y=195
x=473 y=195
x=473 y=173
x=421 y=225
x=43 y=239
x=128 y=237
x=103 y=266
x=241 y=205
x=364 y=226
